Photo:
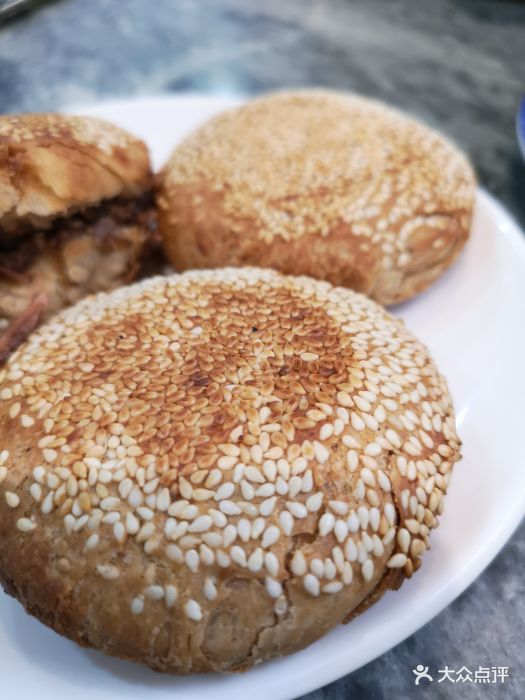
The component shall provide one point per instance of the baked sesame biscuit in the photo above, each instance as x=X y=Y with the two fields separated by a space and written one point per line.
x=76 y=213
x=54 y=164
x=334 y=186
x=204 y=471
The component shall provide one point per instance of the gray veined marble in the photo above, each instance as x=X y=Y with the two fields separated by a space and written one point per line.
x=459 y=65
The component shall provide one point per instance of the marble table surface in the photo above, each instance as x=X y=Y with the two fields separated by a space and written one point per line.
x=459 y=65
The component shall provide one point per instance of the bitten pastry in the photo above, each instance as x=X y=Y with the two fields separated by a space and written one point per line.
x=203 y=471
x=337 y=187
x=75 y=213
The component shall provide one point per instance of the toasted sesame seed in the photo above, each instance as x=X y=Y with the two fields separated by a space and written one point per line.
x=253 y=474
x=348 y=574
x=403 y=539
x=36 y=492
x=270 y=469
x=281 y=605
x=317 y=567
x=350 y=549
x=192 y=559
x=311 y=585
x=281 y=486
x=384 y=481
x=201 y=524
x=267 y=506
x=353 y=522
x=12 y=500
x=270 y=536
x=357 y=422
x=271 y=563
x=107 y=571
x=229 y=508
x=298 y=564
x=338 y=558
x=367 y=541
x=332 y=587
x=374 y=517
x=368 y=477
x=286 y=522
x=190 y=512
x=244 y=529
x=110 y=503
x=39 y=474
x=25 y=525
x=50 y=455
x=265 y=490
x=258 y=527
x=210 y=590
x=225 y=491
x=352 y=460
x=26 y=420
x=137 y=605
x=151 y=545
x=294 y=486
x=412 y=525
x=193 y=610
x=14 y=410
x=206 y=555
x=326 y=432
x=397 y=561
x=273 y=587
x=145 y=532
x=390 y=513
x=92 y=541
x=321 y=453
x=339 y=507
x=367 y=570
x=229 y=535
x=341 y=530
x=154 y=592
x=298 y=510
x=238 y=555
x=313 y=503
x=255 y=560
x=174 y=553
x=119 y=532
x=170 y=595
x=363 y=513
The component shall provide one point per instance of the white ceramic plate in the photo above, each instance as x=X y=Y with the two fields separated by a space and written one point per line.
x=473 y=322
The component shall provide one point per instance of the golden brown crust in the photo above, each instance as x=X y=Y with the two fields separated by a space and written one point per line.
x=323 y=184
x=205 y=471
x=55 y=164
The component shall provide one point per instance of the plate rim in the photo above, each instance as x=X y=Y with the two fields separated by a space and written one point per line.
x=330 y=670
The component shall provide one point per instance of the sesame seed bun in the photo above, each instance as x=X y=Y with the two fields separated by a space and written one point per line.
x=76 y=214
x=337 y=187
x=204 y=471
x=54 y=164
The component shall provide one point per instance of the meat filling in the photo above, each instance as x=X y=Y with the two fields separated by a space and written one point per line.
x=95 y=250
x=107 y=223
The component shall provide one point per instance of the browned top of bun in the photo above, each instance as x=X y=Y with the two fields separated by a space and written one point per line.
x=203 y=471
x=299 y=160
x=325 y=184
x=54 y=164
